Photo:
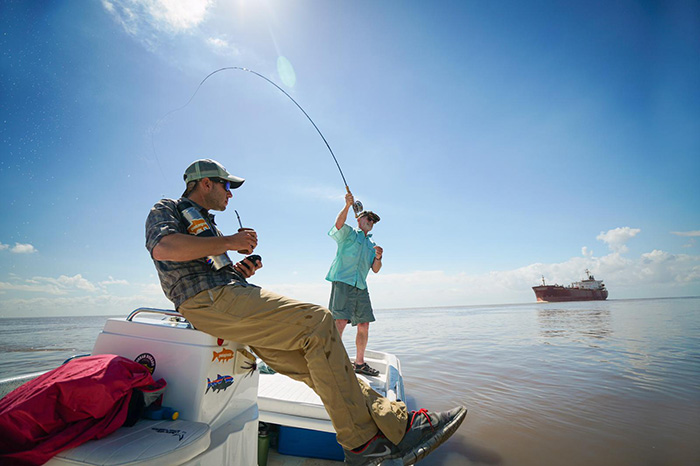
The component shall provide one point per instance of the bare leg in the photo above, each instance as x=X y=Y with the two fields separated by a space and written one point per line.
x=340 y=325
x=361 y=341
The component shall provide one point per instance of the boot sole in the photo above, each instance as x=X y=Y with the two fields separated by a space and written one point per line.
x=434 y=441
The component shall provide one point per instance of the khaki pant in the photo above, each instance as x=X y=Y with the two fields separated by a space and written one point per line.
x=301 y=341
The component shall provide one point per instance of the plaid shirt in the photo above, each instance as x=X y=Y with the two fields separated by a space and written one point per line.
x=183 y=280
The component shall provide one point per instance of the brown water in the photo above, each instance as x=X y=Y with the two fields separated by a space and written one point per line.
x=595 y=383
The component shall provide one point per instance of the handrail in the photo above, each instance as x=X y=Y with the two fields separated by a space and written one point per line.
x=174 y=316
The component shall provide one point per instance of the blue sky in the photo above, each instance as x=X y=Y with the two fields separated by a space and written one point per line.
x=499 y=142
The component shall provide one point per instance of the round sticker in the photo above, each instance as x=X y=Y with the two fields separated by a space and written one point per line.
x=147 y=360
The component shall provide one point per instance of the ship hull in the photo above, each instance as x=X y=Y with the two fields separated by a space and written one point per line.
x=557 y=294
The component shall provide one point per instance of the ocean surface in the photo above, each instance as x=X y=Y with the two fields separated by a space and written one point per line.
x=592 y=383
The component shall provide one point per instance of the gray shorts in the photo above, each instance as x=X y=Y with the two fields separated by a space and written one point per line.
x=350 y=303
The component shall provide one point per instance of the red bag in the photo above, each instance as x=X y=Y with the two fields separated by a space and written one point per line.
x=84 y=399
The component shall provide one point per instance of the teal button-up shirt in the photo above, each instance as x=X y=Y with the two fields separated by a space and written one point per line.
x=354 y=257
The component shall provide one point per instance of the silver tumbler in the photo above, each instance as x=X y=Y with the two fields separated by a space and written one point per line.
x=199 y=227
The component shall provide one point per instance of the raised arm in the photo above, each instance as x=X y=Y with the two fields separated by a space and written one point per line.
x=343 y=215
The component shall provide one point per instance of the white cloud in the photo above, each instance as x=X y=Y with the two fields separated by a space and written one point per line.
x=217 y=43
x=223 y=47
x=153 y=291
x=686 y=233
x=20 y=248
x=654 y=274
x=75 y=295
x=616 y=239
x=31 y=287
x=180 y=31
x=178 y=15
x=143 y=18
x=655 y=256
x=76 y=281
x=103 y=304
x=49 y=285
x=113 y=281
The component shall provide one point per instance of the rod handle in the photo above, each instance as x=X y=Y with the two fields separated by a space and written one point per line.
x=354 y=207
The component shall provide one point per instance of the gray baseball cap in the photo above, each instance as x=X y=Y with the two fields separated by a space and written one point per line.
x=372 y=216
x=208 y=168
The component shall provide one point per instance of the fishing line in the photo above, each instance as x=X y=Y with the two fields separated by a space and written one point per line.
x=357 y=206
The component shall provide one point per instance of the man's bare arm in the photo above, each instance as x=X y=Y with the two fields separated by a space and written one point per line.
x=343 y=215
x=180 y=247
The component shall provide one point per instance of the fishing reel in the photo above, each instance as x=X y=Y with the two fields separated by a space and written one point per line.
x=357 y=208
x=357 y=205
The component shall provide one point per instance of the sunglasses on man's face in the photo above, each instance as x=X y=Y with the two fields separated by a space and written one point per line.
x=226 y=183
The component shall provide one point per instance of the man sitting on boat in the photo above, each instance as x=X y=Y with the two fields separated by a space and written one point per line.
x=357 y=253
x=294 y=338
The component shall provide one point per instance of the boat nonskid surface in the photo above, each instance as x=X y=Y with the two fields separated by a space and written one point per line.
x=147 y=443
x=288 y=402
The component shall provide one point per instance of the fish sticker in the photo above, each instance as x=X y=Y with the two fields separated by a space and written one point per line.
x=197 y=226
x=223 y=355
x=222 y=382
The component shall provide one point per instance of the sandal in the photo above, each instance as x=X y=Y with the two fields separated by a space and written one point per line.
x=364 y=369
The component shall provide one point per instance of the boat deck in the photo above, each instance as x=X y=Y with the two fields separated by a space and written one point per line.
x=288 y=402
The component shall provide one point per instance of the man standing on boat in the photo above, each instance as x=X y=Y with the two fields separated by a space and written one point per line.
x=357 y=253
x=294 y=338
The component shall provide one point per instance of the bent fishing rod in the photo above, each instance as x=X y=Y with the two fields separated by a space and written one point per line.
x=357 y=205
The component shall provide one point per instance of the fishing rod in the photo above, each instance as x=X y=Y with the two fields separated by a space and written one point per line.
x=357 y=205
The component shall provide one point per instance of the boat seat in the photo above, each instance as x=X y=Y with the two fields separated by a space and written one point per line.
x=147 y=443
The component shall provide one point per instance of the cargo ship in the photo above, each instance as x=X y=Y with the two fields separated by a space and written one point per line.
x=589 y=289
